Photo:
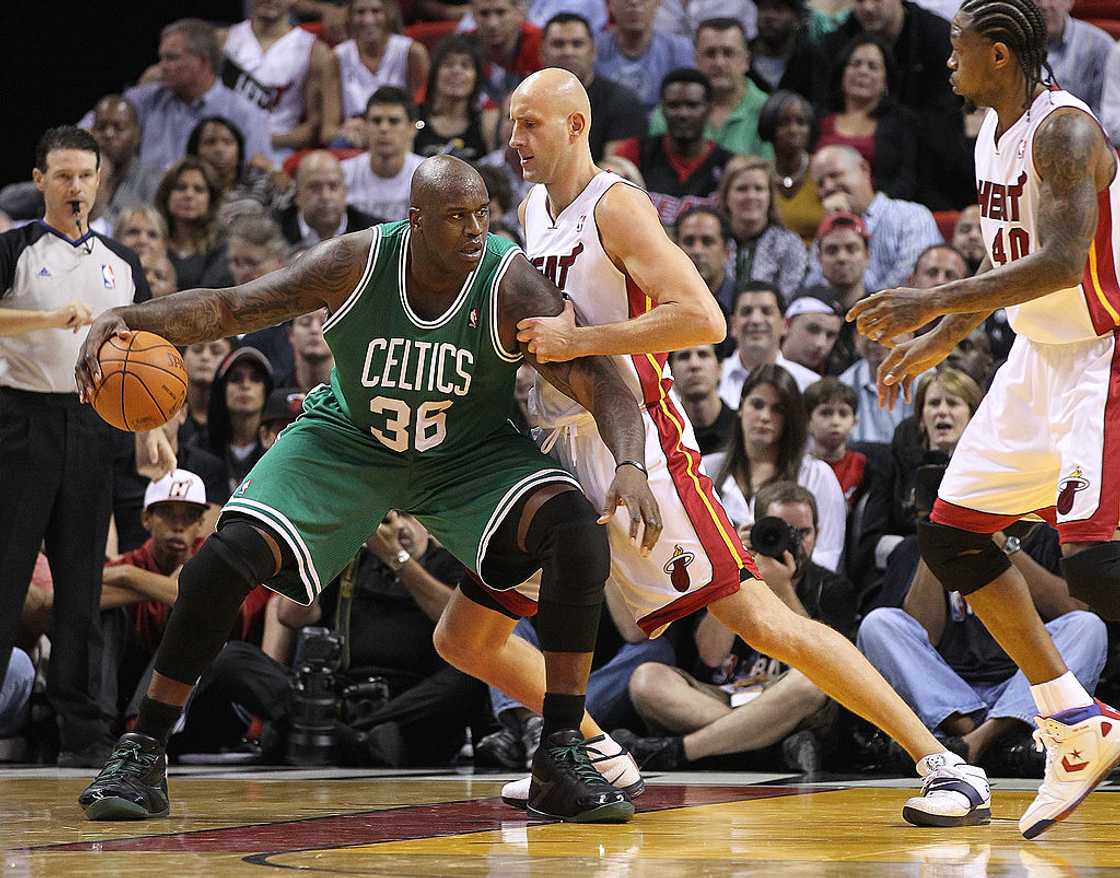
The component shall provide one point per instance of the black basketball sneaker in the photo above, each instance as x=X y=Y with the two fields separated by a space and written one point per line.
x=566 y=786
x=133 y=783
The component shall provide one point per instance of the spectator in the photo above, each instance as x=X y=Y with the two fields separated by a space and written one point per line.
x=139 y=588
x=594 y=12
x=786 y=122
x=625 y=168
x=283 y=70
x=143 y=230
x=221 y=144
x=743 y=701
x=503 y=207
x=944 y=403
x=202 y=360
x=686 y=17
x=833 y=409
x=781 y=43
x=510 y=45
x=188 y=91
x=256 y=248
x=616 y=112
x=1110 y=96
x=284 y=405
x=55 y=453
x=842 y=248
x=319 y=210
x=768 y=444
x=376 y=54
x=451 y=118
x=813 y=321
x=132 y=473
x=188 y=199
x=681 y=168
x=1077 y=52
x=403 y=581
x=898 y=230
x=696 y=380
x=941 y=659
x=117 y=131
x=15 y=694
x=378 y=180
x=160 y=274
x=312 y=360
x=865 y=117
x=506 y=160
x=937 y=264
x=705 y=236
x=973 y=356
x=758 y=324
x=241 y=386
x=635 y=55
x=874 y=424
x=968 y=239
x=722 y=56
x=765 y=250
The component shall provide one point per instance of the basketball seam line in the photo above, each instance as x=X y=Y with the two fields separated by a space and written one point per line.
x=150 y=396
x=162 y=369
x=124 y=372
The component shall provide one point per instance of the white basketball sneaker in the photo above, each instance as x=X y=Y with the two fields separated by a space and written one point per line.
x=954 y=793
x=1082 y=746
x=615 y=764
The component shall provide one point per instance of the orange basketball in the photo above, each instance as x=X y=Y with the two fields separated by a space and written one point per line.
x=143 y=381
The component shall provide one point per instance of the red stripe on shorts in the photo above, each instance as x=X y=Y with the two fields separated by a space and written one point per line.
x=977 y=522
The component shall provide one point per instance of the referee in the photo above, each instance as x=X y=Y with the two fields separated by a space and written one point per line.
x=56 y=454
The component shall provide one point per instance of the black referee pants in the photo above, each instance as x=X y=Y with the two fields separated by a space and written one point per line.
x=56 y=492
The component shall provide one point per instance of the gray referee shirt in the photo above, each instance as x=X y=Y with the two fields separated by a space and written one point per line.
x=41 y=269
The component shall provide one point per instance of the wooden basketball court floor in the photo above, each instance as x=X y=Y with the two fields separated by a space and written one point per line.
x=379 y=823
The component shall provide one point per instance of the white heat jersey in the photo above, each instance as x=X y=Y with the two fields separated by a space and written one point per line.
x=359 y=82
x=1009 y=193
x=568 y=252
x=273 y=80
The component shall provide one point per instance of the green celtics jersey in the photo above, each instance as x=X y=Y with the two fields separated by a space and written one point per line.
x=422 y=387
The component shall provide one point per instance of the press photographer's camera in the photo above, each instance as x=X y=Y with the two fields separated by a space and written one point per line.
x=314 y=698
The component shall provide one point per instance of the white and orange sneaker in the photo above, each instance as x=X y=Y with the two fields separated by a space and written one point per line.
x=1082 y=746
x=615 y=764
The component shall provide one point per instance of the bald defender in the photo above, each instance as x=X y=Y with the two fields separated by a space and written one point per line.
x=633 y=296
x=422 y=327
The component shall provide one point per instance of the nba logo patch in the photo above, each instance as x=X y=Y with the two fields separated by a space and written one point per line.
x=108 y=279
x=243 y=487
x=473 y=319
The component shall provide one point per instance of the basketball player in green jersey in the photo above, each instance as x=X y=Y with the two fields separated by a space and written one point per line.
x=423 y=331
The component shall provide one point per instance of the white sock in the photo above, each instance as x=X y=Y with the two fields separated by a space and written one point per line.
x=935 y=760
x=1064 y=693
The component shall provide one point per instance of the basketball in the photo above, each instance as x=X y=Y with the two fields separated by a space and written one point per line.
x=143 y=381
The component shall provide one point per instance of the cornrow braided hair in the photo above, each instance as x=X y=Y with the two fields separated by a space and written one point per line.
x=1020 y=25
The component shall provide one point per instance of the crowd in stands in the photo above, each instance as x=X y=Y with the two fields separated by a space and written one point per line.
x=803 y=153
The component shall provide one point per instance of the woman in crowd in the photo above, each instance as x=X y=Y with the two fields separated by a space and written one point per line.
x=201 y=359
x=221 y=144
x=787 y=123
x=452 y=119
x=143 y=230
x=944 y=403
x=188 y=198
x=768 y=444
x=865 y=117
x=765 y=250
x=375 y=55
x=241 y=386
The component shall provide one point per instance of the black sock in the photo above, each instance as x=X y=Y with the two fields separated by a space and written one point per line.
x=561 y=712
x=156 y=719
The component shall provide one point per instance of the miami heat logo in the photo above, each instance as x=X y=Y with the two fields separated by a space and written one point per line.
x=677 y=568
x=1068 y=487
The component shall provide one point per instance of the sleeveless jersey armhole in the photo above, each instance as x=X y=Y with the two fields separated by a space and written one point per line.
x=356 y=293
x=495 y=334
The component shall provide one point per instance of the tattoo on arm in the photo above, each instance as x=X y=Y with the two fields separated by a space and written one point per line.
x=593 y=382
x=325 y=276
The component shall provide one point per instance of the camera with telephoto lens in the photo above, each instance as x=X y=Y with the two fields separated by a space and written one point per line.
x=314 y=698
x=772 y=536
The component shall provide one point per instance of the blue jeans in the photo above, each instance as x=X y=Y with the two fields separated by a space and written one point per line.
x=607 y=686
x=898 y=646
x=15 y=693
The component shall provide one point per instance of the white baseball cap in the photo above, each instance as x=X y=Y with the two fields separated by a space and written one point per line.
x=180 y=486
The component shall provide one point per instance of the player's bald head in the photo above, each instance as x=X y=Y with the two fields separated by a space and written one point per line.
x=552 y=92
x=444 y=179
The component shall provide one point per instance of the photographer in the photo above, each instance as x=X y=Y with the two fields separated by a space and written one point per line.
x=741 y=700
x=417 y=707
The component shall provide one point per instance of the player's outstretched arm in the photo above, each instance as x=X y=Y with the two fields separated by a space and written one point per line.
x=1074 y=163
x=686 y=315
x=594 y=383
x=324 y=276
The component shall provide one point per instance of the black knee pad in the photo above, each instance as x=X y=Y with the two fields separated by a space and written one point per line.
x=575 y=557
x=961 y=560
x=1093 y=576
x=239 y=543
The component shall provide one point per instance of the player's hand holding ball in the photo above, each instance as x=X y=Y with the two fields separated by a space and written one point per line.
x=135 y=380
